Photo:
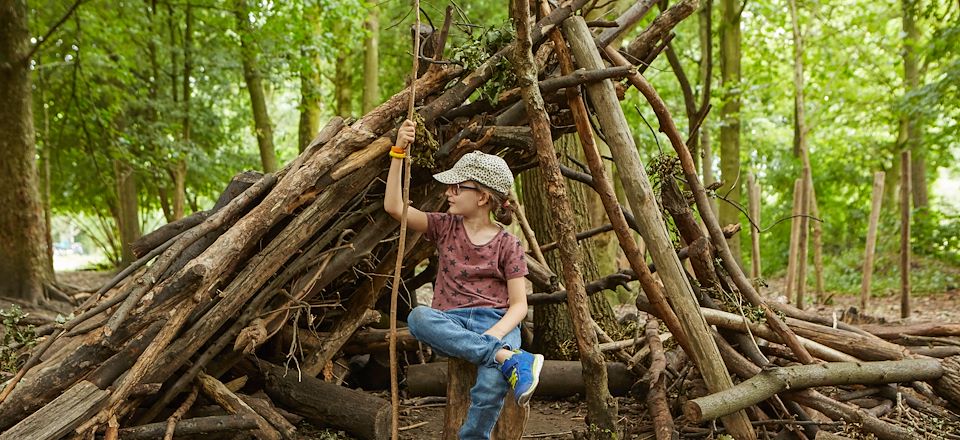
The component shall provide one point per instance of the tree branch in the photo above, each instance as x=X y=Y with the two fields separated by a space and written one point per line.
x=50 y=31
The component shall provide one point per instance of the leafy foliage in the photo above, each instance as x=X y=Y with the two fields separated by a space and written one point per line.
x=14 y=333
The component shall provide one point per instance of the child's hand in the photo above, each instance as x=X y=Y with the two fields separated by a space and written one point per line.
x=406 y=134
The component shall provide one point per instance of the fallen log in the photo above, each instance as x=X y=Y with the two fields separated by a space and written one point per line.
x=814 y=400
x=948 y=387
x=217 y=391
x=888 y=331
x=776 y=380
x=557 y=379
x=188 y=427
x=361 y=414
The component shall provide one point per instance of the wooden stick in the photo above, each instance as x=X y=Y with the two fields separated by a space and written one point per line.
x=803 y=236
x=658 y=405
x=199 y=425
x=753 y=190
x=905 y=194
x=794 y=242
x=876 y=201
x=601 y=407
x=395 y=288
x=775 y=380
x=181 y=410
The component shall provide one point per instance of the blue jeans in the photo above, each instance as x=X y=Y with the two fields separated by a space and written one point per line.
x=459 y=333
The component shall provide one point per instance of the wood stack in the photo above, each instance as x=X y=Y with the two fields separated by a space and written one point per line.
x=237 y=318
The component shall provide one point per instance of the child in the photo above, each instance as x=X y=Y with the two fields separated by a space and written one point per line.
x=479 y=297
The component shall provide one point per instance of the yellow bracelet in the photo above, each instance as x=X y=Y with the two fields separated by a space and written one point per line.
x=397 y=149
x=396 y=155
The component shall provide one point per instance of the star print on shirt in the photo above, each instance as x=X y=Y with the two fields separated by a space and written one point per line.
x=463 y=273
x=450 y=248
x=516 y=269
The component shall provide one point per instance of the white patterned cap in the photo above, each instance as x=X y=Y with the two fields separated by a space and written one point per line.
x=487 y=169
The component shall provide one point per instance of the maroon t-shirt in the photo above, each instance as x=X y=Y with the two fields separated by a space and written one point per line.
x=470 y=275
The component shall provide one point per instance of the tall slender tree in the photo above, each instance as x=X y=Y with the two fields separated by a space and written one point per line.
x=730 y=11
x=23 y=242
x=912 y=120
x=249 y=53
x=309 y=83
x=371 y=61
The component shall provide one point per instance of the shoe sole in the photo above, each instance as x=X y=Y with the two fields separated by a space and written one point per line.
x=524 y=398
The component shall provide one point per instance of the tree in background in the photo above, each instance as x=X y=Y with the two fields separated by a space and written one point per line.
x=23 y=240
x=730 y=12
x=249 y=55
x=554 y=331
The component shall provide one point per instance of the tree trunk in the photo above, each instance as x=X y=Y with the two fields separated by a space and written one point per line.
x=180 y=170
x=343 y=104
x=128 y=207
x=23 y=244
x=730 y=118
x=911 y=82
x=263 y=128
x=44 y=172
x=705 y=28
x=801 y=149
x=309 y=89
x=371 y=61
x=554 y=334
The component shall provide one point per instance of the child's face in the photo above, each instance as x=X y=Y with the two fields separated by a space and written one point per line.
x=466 y=198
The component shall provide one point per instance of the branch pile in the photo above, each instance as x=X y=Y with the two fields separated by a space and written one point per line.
x=239 y=318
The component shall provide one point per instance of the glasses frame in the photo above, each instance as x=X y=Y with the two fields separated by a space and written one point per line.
x=458 y=188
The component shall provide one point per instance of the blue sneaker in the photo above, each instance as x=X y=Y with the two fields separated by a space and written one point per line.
x=522 y=370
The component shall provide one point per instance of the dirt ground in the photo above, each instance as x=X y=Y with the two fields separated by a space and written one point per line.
x=558 y=419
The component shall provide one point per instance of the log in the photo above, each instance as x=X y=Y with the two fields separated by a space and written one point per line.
x=557 y=379
x=59 y=416
x=265 y=409
x=217 y=391
x=461 y=375
x=148 y=242
x=188 y=427
x=948 y=387
x=893 y=331
x=809 y=398
x=776 y=380
x=361 y=414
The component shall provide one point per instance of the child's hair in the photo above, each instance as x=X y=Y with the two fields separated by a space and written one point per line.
x=500 y=205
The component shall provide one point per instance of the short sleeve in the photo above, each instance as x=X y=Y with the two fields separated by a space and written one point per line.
x=512 y=258
x=439 y=225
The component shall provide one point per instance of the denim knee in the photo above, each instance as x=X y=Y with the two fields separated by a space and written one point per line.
x=415 y=318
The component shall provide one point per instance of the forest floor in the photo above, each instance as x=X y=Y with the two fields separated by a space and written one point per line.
x=557 y=419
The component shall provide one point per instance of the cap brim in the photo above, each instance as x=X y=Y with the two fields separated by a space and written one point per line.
x=450 y=177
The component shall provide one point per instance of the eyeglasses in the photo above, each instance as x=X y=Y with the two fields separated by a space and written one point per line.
x=456 y=188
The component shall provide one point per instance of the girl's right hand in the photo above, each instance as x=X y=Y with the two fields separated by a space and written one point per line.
x=406 y=134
